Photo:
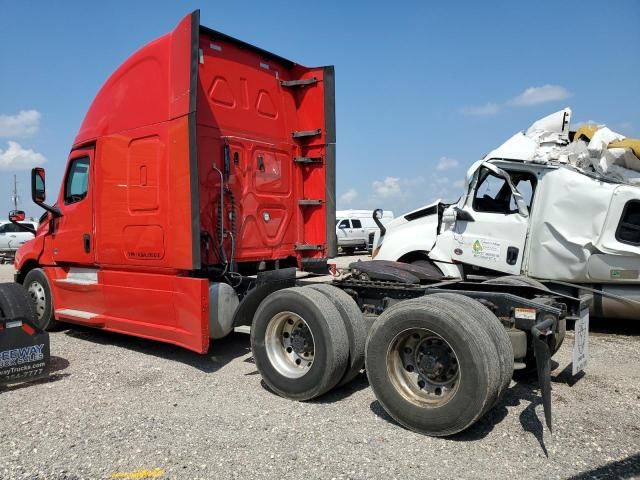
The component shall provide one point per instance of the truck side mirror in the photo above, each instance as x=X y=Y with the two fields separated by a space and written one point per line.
x=38 y=188
x=38 y=191
x=17 y=216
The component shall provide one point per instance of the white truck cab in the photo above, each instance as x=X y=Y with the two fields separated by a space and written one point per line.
x=550 y=220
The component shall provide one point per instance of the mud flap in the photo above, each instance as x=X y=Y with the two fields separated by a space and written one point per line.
x=24 y=351
x=542 y=333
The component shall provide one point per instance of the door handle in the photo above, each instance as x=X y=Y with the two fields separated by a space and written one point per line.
x=86 y=240
x=512 y=255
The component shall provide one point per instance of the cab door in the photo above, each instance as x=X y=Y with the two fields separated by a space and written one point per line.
x=74 y=232
x=491 y=227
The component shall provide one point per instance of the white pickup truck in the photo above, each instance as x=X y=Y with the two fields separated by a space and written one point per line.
x=548 y=204
x=355 y=228
x=12 y=236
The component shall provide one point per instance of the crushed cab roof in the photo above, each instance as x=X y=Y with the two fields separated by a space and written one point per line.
x=592 y=149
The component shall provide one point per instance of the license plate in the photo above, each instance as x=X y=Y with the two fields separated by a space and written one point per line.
x=581 y=343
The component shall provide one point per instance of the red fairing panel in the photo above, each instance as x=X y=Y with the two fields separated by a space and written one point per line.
x=252 y=128
x=151 y=86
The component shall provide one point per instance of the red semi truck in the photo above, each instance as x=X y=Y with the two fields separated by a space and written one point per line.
x=201 y=180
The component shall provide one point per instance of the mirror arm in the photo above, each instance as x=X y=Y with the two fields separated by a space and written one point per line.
x=377 y=221
x=55 y=211
x=463 y=215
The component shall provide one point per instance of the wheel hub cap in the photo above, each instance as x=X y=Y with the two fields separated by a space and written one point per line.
x=301 y=340
x=289 y=344
x=436 y=362
x=38 y=295
x=423 y=367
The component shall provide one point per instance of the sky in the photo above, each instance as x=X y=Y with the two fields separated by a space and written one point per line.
x=423 y=89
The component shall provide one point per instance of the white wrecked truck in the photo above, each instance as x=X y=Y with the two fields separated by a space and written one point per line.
x=558 y=206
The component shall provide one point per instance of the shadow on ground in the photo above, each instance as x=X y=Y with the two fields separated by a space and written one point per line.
x=56 y=364
x=615 y=326
x=627 y=468
x=525 y=389
x=220 y=354
x=335 y=395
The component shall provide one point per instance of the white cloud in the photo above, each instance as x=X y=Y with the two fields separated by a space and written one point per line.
x=349 y=196
x=17 y=158
x=480 y=110
x=446 y=163
x=387 y=188
x=25 y=123
x=536 y=95
x=458 y=184
x=413 y=182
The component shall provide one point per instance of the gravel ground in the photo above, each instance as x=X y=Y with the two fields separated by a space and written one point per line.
x=120 y=407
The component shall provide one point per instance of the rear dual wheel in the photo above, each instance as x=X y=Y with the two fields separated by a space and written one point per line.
x=355 y=326
x=299 y=343
x=434 y=364
x=308 y=340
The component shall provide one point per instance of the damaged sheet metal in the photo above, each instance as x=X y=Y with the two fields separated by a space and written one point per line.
x=594 y=149
x=589 y=177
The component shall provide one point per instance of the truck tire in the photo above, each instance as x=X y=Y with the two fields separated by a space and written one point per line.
x=299 y=343
x=455 y=375
x=497 y=331
x=530 y=282
x=37 y=286
x=355 y=326
x=348 y=250
x=15 y=303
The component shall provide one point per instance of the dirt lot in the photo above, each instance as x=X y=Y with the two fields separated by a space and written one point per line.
x=115 y=406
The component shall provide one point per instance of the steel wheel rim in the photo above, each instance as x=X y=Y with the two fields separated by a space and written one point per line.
x=39 y=296
x=289 y=344
x=423 y=367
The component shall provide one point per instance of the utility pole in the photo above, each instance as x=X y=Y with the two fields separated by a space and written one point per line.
x=14 y=197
